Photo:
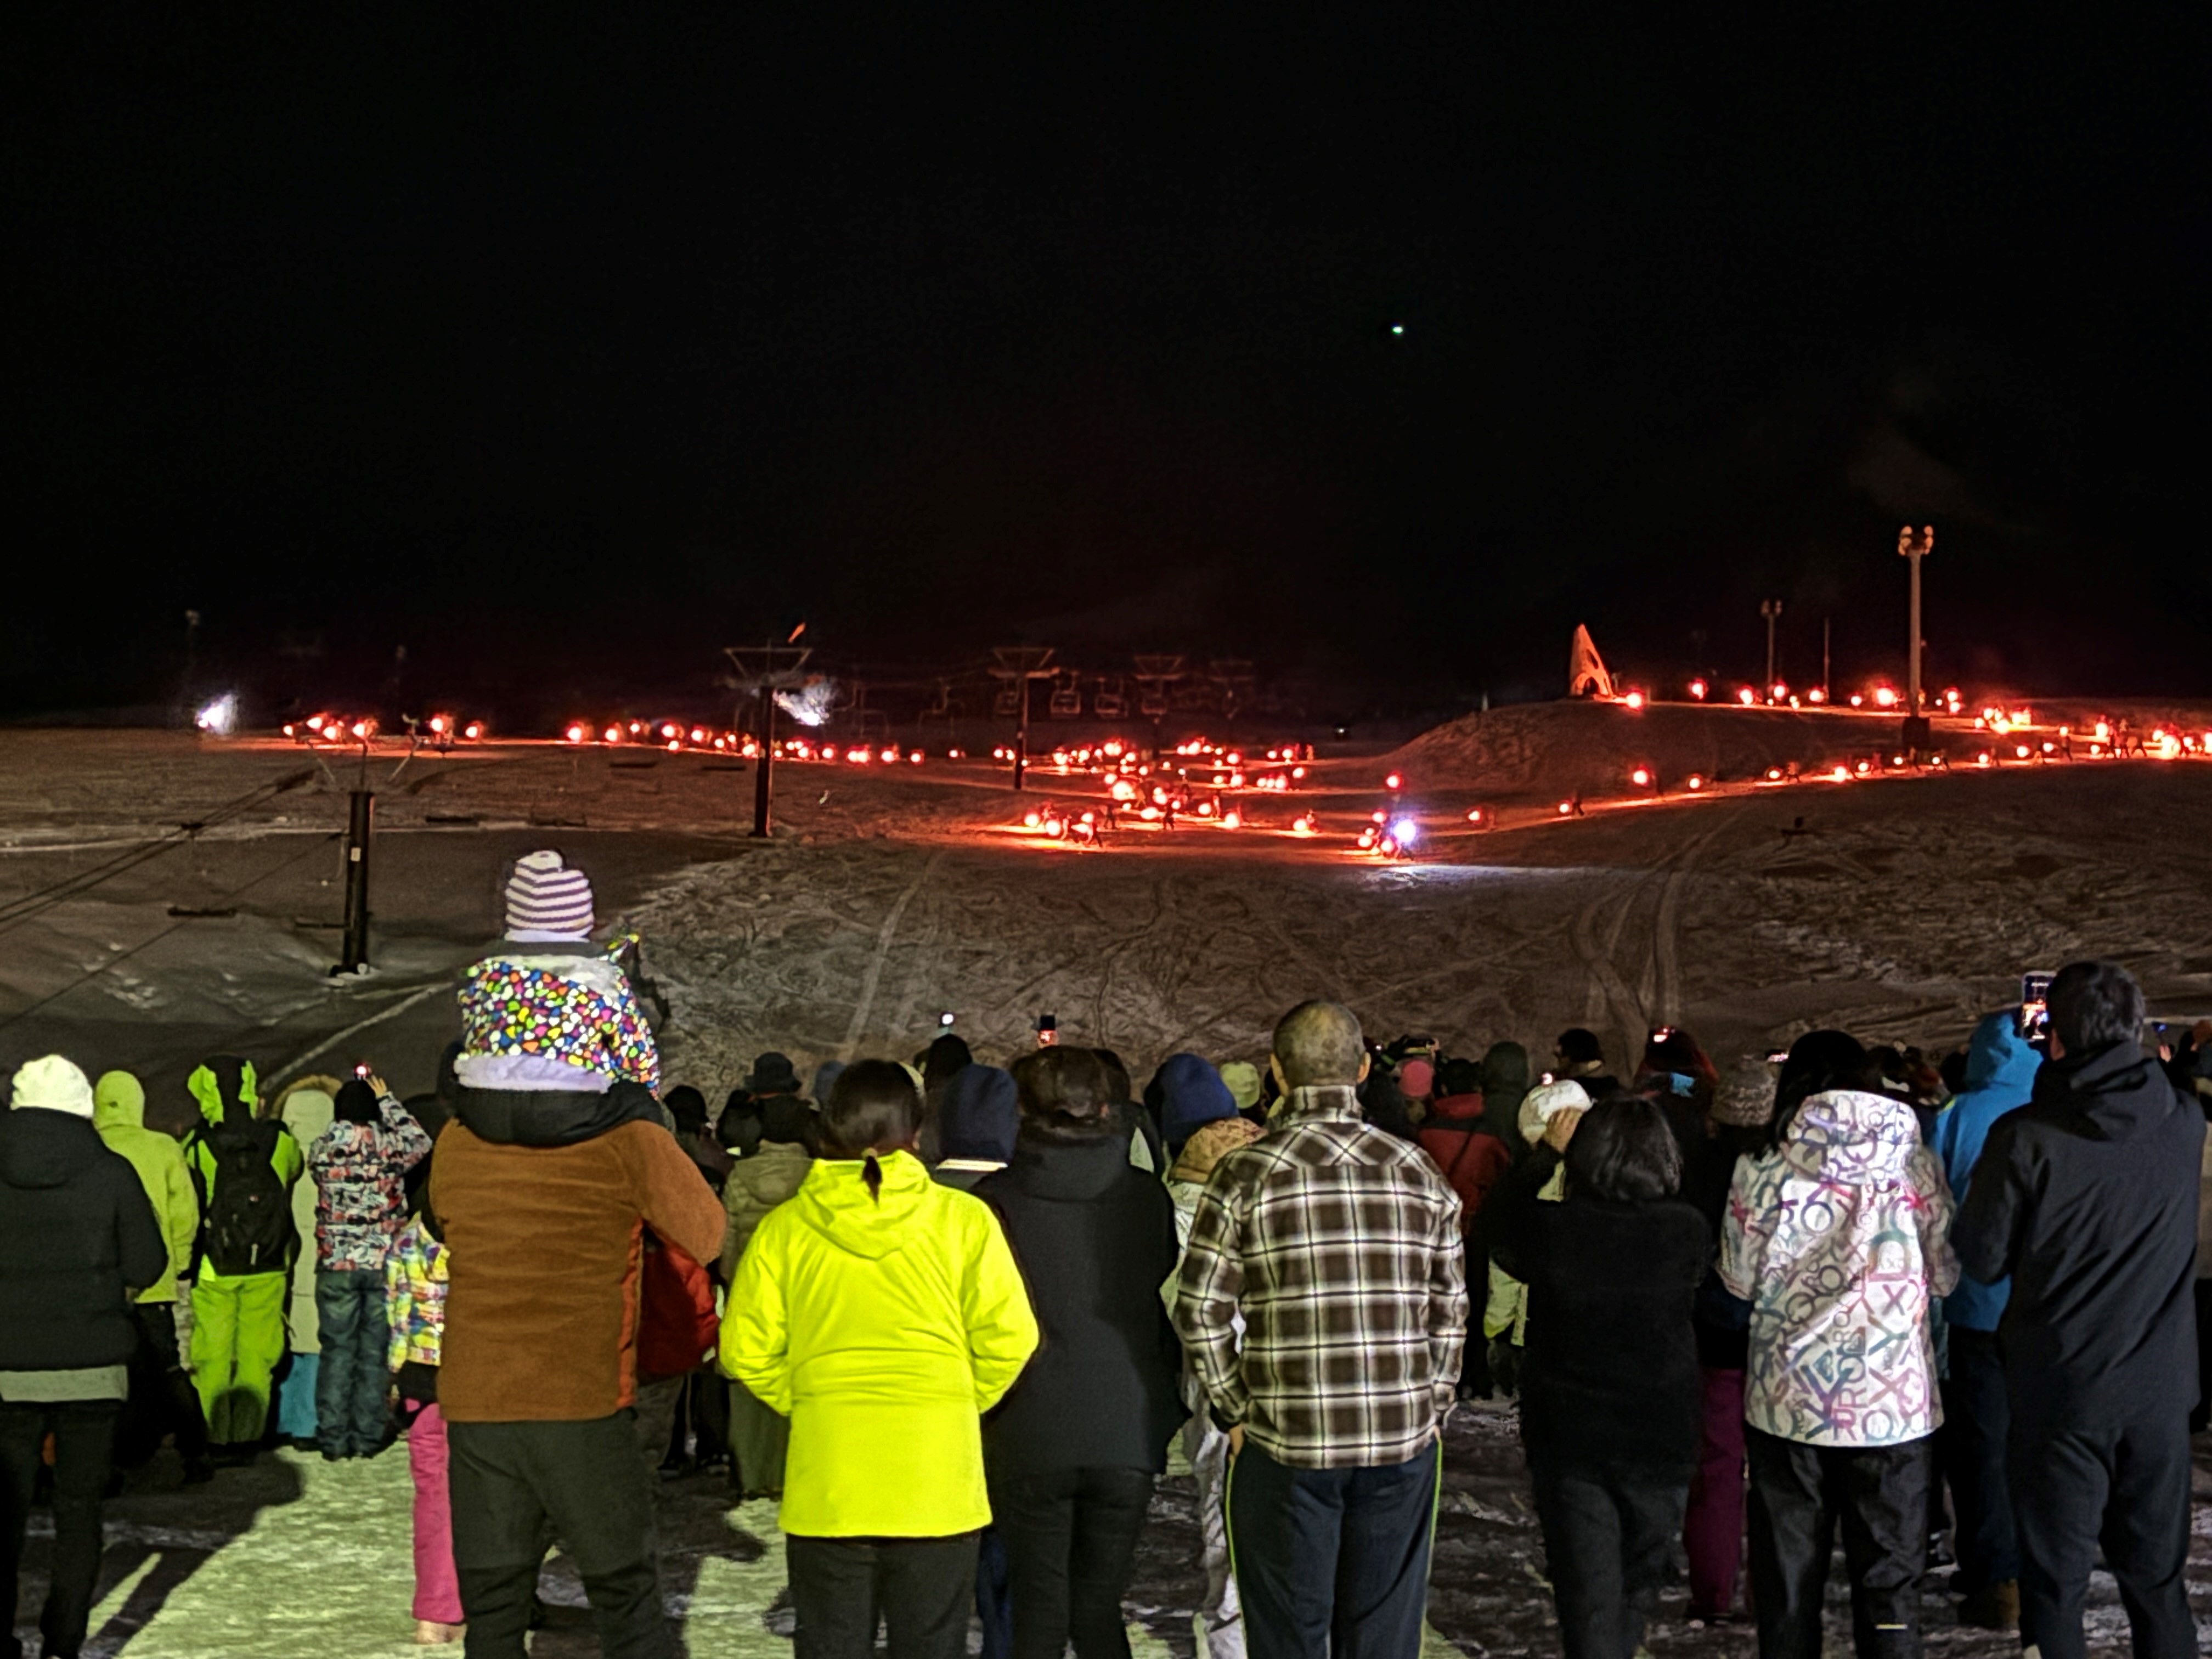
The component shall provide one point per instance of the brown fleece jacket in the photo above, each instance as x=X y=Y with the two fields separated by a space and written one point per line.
x=542 y=1312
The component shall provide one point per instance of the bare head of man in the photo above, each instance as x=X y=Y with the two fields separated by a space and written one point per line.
x=1318 y=1042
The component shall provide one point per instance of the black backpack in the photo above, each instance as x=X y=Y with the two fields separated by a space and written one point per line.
x=246 y=1223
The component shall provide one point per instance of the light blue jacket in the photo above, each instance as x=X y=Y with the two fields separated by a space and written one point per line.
x=2001 y=1070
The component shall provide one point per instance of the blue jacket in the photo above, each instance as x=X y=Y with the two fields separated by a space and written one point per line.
x=1999 y=1077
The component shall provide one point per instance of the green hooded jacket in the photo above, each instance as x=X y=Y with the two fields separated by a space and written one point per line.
x=227 y=1091
x=118 y=1112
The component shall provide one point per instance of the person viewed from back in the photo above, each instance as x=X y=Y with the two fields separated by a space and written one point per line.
x=977 y=1118
x=1337 y=1247
x=244 y=1168
x=2086 y=1199
x=882 y=1313
x=118 y=1113
x=689 y=1108
x=1676 y=1073
x=1471 y=1148
x=1578 y=1057
x=1210 y=1128
x=78 y=1240
x=359 y=1165
x=1241 y=1078
x=2000 y=1076
x=760 y=1436
x=306 y=1107
x=1609 y=1391
x=555 y=1163
x=1837 y=1236
x=415 y=1274
x=1548 y=1116
x=1712 y=1527
x=1505 y=1083
x=1073 y=1453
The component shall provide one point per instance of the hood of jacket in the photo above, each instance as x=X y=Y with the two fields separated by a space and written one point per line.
x=1066 y=1170
x=1852 y=1137
x=980 y=1115
x=307 y=1113
x=774 y=1173
x=1206 y=1149
x=227 y=1091
x=1505 y=1070
x=42 y=1149
x=2122 y=1091
x=118 y=1102
x=835 y=1202
x=1999 y=1060
x=553 y=1117
x=1457 y=1108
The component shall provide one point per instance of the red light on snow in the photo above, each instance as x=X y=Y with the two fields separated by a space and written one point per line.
x=1641 y=777
x=1697 y=690
x=1885 y=697
x=1635 y=700
x=1746 y=697
x=1394 y=782
x=1696 y=782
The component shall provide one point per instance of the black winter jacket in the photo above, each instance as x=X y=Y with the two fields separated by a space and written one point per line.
x=1611 y=1375
x=1095 y=1240
x=2087 y=1197
x=77 y=1239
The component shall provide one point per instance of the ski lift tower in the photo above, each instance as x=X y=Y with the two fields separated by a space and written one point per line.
x=1022 y=664
x=1913 y=548
x=765 y=670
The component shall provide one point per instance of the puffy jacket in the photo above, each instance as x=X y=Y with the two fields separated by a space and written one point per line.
x=306 y=1107
x=536 y=1015
x=118 y=1112
x=755 y=1186
x=78 y=1236
x=1838 y=1237
x=883 y=1326
x=1999 y=1077
x=415 y=1279
x=1469 y=1149
x=361 y=1193
x=227 y=1094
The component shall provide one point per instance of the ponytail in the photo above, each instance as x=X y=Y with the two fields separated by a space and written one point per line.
x=872 y=1173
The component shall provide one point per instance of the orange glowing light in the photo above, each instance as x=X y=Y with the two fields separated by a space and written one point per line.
x=1697 y=690
x=1635 y=700
x=1232 y=819
x=1641 y=776
x=438 y=723
x=1394 y=782
x=1475 y=815
x=575 y=734
x=614 y=734
x=1746 y=697
x=1696 y=782
x=1816 y=694
x=1842 y=774
x=1566 y=807
x=473 y=729
x=1885 y=697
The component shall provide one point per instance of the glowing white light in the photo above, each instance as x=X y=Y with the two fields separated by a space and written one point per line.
x=219 y=717
x=1405 y=832
x=1397 y=328
x=810 y=705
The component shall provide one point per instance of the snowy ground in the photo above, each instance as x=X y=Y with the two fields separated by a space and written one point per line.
x=1900 y=908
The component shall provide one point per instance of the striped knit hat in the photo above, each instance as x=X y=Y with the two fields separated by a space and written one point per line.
x=543 y=896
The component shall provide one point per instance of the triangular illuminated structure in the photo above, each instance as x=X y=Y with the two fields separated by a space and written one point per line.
x=1586 y=675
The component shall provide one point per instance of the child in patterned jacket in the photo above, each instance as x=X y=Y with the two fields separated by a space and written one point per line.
x=415 y=1277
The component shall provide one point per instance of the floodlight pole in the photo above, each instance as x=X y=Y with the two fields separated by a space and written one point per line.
x=1022 y=664
x=1771 y=610
x=1914 y=548
x=763 y=782
x=777 y=665
x=361 y=824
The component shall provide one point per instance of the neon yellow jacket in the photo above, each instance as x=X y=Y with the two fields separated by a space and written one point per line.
x=226 y=1095
x=118 y=1112
x=883 y=1329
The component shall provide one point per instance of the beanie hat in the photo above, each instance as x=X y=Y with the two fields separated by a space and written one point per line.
x=354 y=1103
x=1242 y=1078
x=1745 y=1096
x=53 y=1084
x=545 y=896
x=1540 y=1106
x=1192 y=1094
x=1416 y=1078
x=981 y=1115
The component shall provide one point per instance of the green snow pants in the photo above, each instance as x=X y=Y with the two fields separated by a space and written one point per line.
x=237 y=1337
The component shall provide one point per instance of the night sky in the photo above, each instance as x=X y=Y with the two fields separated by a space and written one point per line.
x=560 y=346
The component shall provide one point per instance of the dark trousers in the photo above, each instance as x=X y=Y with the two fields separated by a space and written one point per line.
x=509 y=1482
x=994 y=1610
x=1977 y=1421
x=1070 y=1542
x=2200 y=1419
x=162 y=1398
x=1712 y=1525
x=921 y=1588
x=84 y=1453
x=1607 y=1533
x=1332 y=1564
x=1798 y=1494
x=2126 y=1488
x=350 y=1418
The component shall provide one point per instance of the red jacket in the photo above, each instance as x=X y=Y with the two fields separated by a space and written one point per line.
x=1468 y=1148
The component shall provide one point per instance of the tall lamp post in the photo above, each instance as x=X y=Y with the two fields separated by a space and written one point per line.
x=1771 y=610
x=765 y=670
x=1914 y=548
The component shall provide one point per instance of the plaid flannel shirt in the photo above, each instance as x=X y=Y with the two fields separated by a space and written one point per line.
x=1340 y=1246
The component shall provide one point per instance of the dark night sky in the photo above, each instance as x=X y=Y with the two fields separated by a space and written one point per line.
x=565 y=341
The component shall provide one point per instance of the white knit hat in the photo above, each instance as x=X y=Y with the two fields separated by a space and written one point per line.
x=543 y=896
x=53 y=1084
x=1543 y=1103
